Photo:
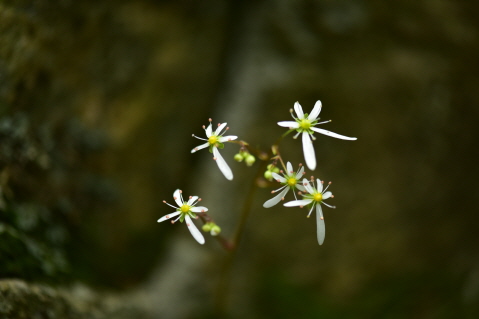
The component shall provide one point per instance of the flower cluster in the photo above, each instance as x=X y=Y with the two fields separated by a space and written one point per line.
x=312 y=192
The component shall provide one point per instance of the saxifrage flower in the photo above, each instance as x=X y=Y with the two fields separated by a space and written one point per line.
x=315 y=196
x=305 y=124
x=214 y=141
x=185 y=211
x=290 y=181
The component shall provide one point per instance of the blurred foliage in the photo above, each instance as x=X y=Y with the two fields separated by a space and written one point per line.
x=43 y=188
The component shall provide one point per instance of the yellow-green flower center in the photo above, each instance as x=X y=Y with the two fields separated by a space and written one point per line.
x=213 y=140
x=305 y=124
x=318 y=197
x=291 y=181
x=185 y=208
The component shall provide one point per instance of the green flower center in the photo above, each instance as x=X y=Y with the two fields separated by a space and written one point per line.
x=318 y=197
x=185 y=208
x=305 y=124
x=291 y=181
x=213 y=140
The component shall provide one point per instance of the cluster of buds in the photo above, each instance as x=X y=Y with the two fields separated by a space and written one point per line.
x=270 y=169
x=212 y=228
x=248 y=158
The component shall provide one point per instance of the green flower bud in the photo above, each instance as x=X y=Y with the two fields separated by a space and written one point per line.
x=275 y=169
x=250 y=159
x=215 y=230
x=268 y=175
x=238 y=157
x=206 y=227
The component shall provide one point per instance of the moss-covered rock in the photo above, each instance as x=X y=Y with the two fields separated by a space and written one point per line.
x=21 y=300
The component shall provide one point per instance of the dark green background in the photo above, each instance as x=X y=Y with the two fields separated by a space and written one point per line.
x=98 y=101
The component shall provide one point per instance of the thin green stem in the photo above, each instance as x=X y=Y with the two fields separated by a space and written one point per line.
x=225 y=276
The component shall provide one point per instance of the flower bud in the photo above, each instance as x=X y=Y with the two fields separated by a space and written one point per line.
x=268 y=175
x=215 y=230
x=238 y=157
x=250 y=159
x=206 y=227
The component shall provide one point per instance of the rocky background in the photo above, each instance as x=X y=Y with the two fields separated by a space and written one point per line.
x=98 y=101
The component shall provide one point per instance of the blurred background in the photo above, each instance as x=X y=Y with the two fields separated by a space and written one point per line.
x=98 y=101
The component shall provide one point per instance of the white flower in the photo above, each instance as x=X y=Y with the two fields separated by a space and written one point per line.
x=185 y=211
x=214 y=141
x=290 y=180
x=316 y=196
x=305 y=123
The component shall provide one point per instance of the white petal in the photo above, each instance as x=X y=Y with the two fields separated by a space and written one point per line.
x=289 y=168
x=275 y=200
x=177 y=197
x=308 y=151
x=224 y=168
x=299 y=202
x=300 y=187
x=199 y=147
x=327 y=195
x=299 y=110
x=194 y=231
x=332 y=134
x=315 y=112
x=192 y=200
x=307 y=185
x=209 y=130
x=218 y=130
x=168 y=216
x=279 y=177
x=199 y=209
x=227 y=138
x=319 y=188
x=321 y=229
x=300 y=173
x=289 y=124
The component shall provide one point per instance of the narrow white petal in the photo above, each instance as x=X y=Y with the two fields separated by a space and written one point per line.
x=194 y=231
x=289 y=124
x=300 y=173
x=299 y=202
x=224 y=168
x=209 y=130
x=299 y=110
x=199 y=209
x=192 y=200
x=168 y=216
x=315 y=112
x=227 y=138
x=177 y=197
x=332 y=134
x=289 y=168
x=221 y=127
x=320 y=185
x=321 y=231
x=307 y=186
x=279 y=177
x=199 y=147
x=327 y=195
x=275 y=200
x=308 y=151
x=300 y=187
